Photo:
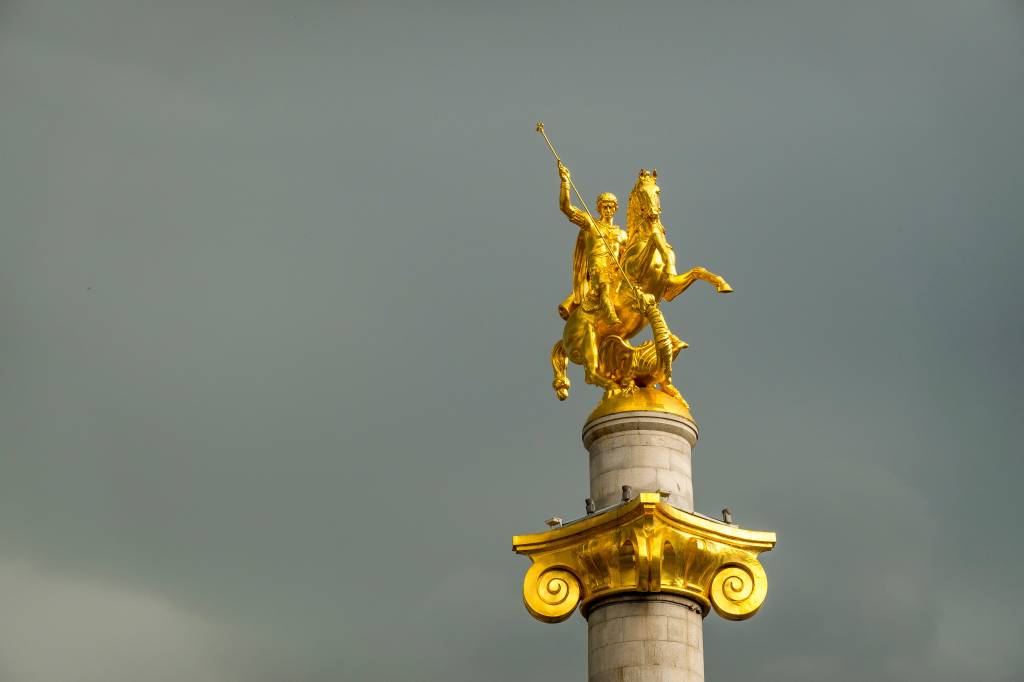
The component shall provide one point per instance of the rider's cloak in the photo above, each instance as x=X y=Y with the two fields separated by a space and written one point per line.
x=579 y=279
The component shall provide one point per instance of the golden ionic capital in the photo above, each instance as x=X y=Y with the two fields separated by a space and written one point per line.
x=645 y=545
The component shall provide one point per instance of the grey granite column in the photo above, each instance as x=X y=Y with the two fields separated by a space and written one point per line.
x=648 y=451
x=643 y=637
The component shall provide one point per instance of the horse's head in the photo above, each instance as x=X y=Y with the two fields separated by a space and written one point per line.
x=644 y=201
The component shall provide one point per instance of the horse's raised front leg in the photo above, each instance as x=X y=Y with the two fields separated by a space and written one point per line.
x=719 y=282
x=677 y=284
x=716 y=280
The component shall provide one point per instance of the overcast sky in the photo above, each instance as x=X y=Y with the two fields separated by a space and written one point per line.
x=277 y=290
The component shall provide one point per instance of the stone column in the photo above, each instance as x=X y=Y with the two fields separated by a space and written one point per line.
x=644 y=572
x=644 y=637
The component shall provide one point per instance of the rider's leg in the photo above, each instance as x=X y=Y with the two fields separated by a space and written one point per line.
x=609 y=311
x=607 y=305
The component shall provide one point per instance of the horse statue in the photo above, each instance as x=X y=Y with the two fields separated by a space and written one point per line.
x=644 y=274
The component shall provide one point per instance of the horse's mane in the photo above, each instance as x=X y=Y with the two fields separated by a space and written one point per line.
x=638 y=251
x=639 y=202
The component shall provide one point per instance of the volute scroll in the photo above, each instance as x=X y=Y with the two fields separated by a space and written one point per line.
x=645 y=546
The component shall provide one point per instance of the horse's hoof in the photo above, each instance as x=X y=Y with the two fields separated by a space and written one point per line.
x=561 y=387
x=724 y=288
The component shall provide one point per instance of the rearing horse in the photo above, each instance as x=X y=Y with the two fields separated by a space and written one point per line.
x=648 y=261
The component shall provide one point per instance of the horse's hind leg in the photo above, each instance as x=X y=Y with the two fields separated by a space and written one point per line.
x=591 y=370
x=559 y=362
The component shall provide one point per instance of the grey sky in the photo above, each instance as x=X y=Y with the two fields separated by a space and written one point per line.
x=278 y=285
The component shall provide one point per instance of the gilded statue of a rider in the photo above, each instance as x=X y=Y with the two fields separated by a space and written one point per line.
x=618 y=280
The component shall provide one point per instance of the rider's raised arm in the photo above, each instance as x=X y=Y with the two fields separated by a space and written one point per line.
x=575 y=215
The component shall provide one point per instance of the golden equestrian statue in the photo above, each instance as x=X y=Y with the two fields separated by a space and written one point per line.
x=618 y=279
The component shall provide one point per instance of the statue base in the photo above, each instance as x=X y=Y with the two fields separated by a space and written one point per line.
x=641 y=400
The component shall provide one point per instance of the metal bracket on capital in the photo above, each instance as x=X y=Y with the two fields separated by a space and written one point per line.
x=645 y=545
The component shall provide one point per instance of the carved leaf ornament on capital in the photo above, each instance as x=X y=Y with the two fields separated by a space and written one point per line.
x=644 y=546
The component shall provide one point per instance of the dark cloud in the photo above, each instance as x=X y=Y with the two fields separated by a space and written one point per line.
x=278 y=283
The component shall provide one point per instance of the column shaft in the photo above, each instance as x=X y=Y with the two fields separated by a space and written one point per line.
x=644 y=640
x=643 y=637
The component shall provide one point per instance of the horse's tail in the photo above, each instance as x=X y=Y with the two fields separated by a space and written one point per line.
x=662 y=341
x=559 y=361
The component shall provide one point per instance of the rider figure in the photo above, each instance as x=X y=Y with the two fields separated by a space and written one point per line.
x=597 y=249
